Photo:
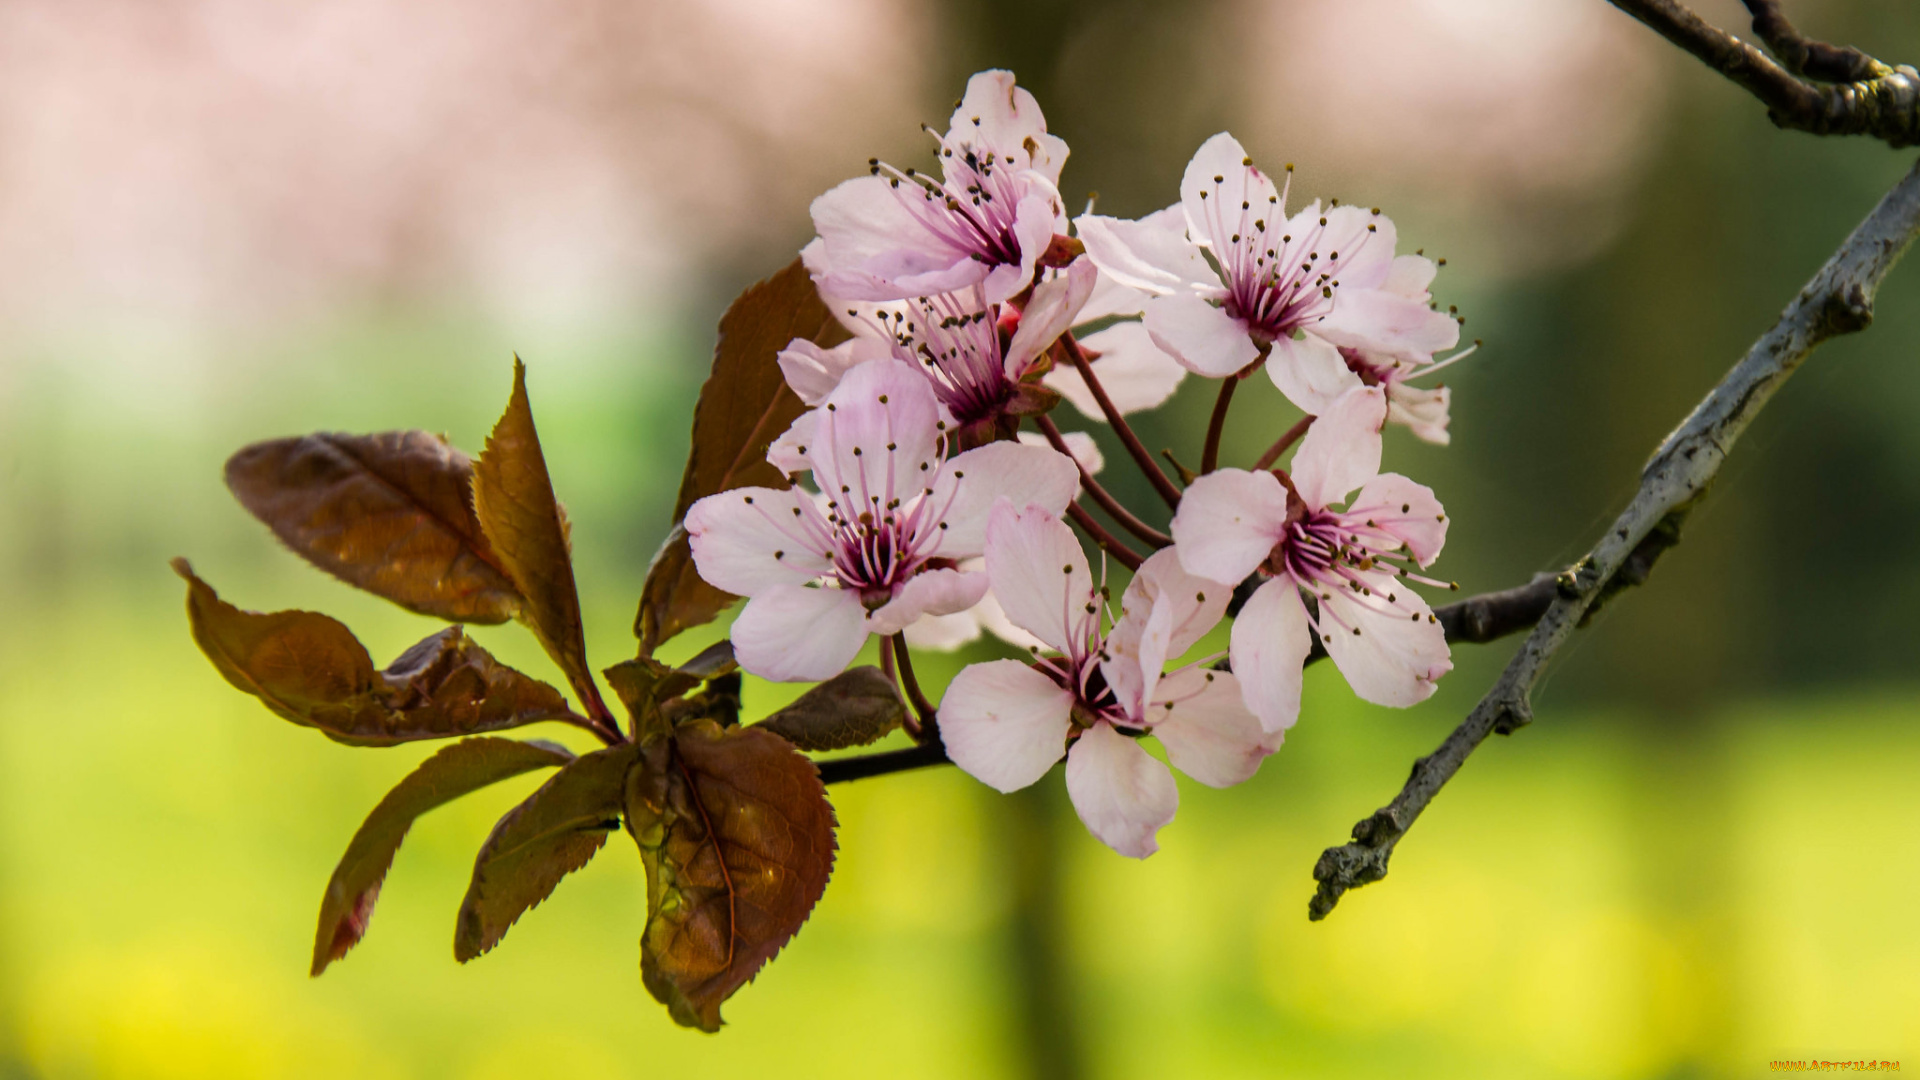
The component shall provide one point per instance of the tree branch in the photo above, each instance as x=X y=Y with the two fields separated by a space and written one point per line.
x=1839 y=300
x=1884 y=103
x=1475 y=620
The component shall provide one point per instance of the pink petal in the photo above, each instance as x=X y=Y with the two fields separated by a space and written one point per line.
x=1310 y=371
x=944 y=633
x=1228 y=523
x=1004 y=723
x=1422 y=409
x=1358 y=246
x=969 y=485
x=749 y=539
x=1341 y=450
x=1271 y=639
x=1410 y=276
x=791 y=633
x=876 y=437
x=994 y=618
x=813 y=372
x=1135 y=373
x=1407 y=510
x=1033 y=225
x=1396 y=657
x=1039 y=573
x=1136 y=654
x=868 y=238
x=1080 y=447
x=1209 y=733
x=788 y=453
x=996 y=113
x=1152 y=254
x=1195 y=604
x=1218 y=179
x=1383 y=322
x=1110 y=298
x=1204 y=338
x=1122 y=794
x=1055 y=305
x=929 y=592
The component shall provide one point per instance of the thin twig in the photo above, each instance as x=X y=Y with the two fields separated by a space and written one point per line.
x=1286 y=439
x=1477 y=619
x=1806 y=57
x=929 y=730
x=1108 y=542
x=1210 y=452
x=1885 y=106
x=1100 y=494
x=1839 y=300
x=1120 y=427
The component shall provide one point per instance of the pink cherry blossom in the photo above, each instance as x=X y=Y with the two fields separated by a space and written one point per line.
x=1382 y=636
x=1006 y=722
x=982 y=357
x=1423 y=409
x=897 y=234
x=1291 y=291
x=878 y=546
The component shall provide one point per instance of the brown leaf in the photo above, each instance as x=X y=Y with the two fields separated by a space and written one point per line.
x=743 y=407
x=710 y=663
x=456 y=770
x=854 y=708
x=310 y=669
x=737 y=836
x=390 y=513
x=550 y=835
x=513 y=498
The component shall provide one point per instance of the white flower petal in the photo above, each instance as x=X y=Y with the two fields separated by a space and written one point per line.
x=968 y=486
x=1196 y=604
x=813 y=372
x=1136 y=654
x=1122 y=794
x=1080 y=447
x=1039 y=573
x=791 y=633
x=996 y=113
x=1341 y=450
x=929 y=592
x=1398 y=656
x=944 y=633
x=750 y=539
x=1004 y=723
x=1375 y=321
x=1111 y=299
x=875 y=438
x=1218 y=179
x=1422 y=409
x=1358 y=246
x=1055 y=305
x=1202 y=337
x=1271 y=639
x=1228 y=522
x=1407 y=510
x=1209 y=733
x=1310 y=371
x=1152 y=254
x=1136 y=374
x=788 y=453
x=994 y=618
x=1410 y=276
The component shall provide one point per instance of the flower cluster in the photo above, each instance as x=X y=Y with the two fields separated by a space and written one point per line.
x=922 y=512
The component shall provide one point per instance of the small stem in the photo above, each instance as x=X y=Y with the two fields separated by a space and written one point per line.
x=1108 y=542
x=1210 y=453
x=1100 y=494
x=1280 y=445
x=928 y=723
x=859 y=767
x=892 y=672
x=602 y=731
x=1133 y=444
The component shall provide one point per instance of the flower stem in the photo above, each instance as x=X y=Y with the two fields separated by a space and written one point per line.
x=1210 y=454
x=1139 y=451
x=1280 y=445
x=1099 y=494
x=1108 y=542
x=928 y=723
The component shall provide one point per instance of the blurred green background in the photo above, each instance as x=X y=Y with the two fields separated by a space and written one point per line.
x=225 y=222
